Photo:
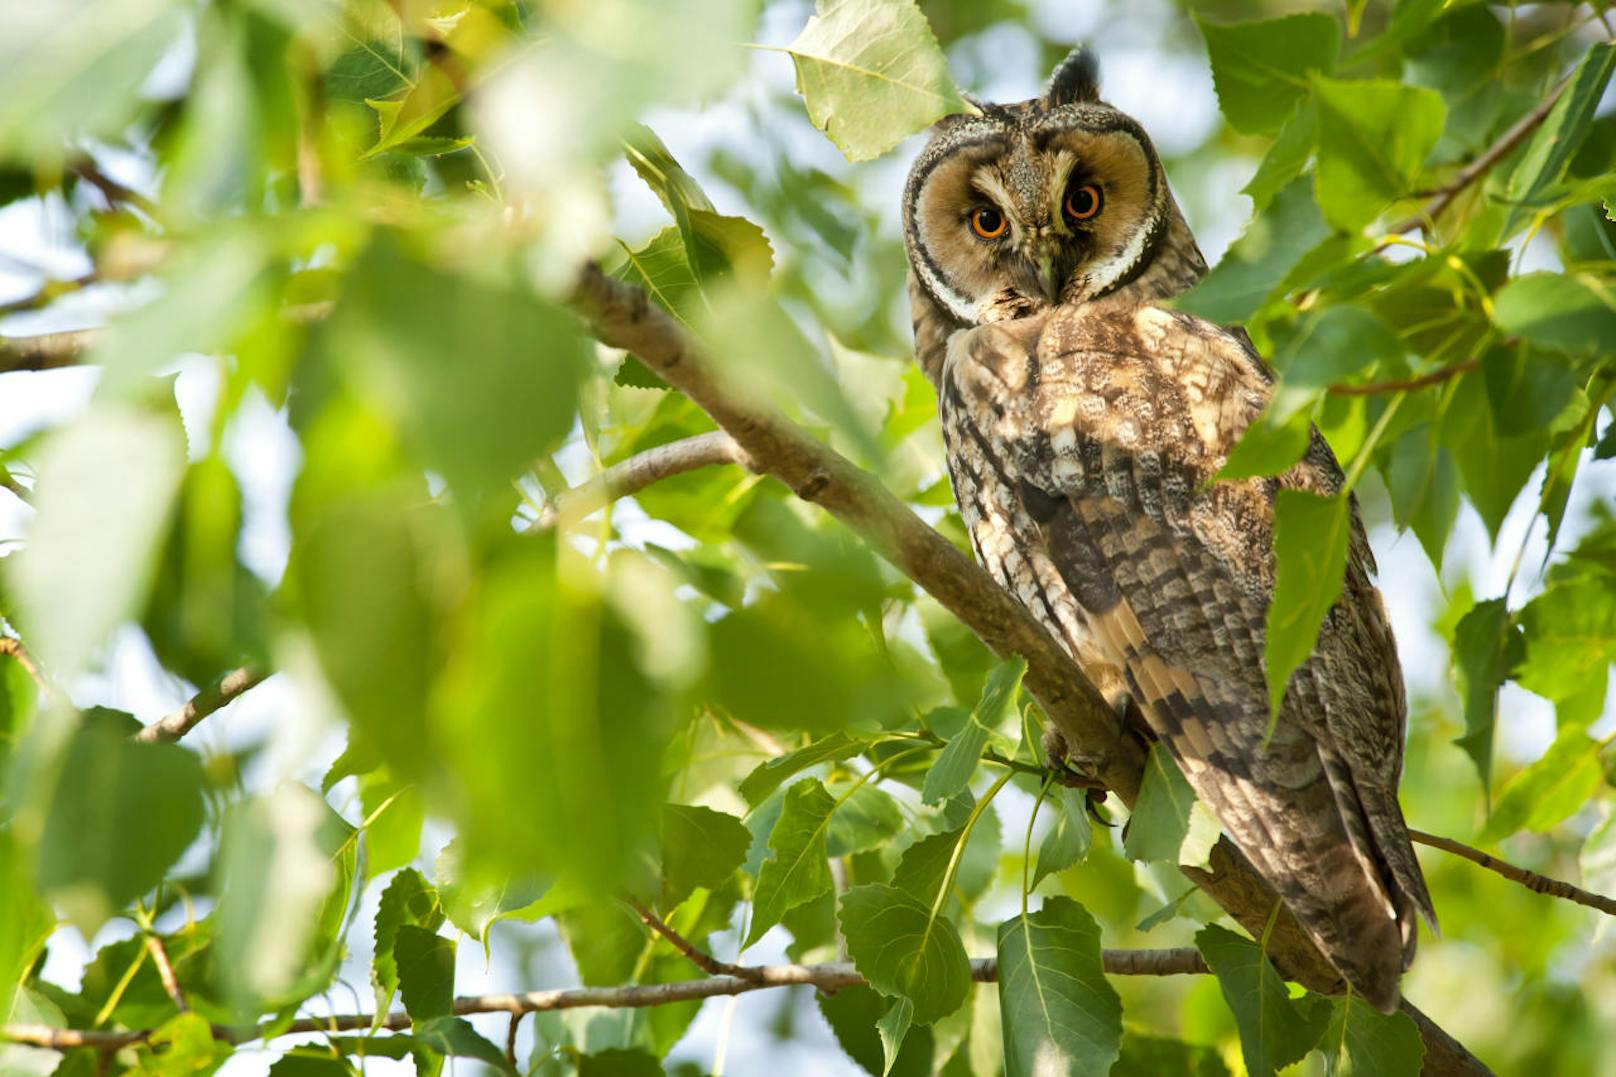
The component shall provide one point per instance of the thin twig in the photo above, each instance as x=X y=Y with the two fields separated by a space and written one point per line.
x=11 y=645
x=629 y=477
x=703 y=960
x=116 y=194
x=165 y=971
x=1541 y=884
x=1481 y=165
x=226 y=688
x=827 y=977
x=1435 y=377
x=48 y=293
x=510 y=1036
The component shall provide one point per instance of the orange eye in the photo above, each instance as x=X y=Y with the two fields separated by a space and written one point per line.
x=988 y=223
x=1082 y=202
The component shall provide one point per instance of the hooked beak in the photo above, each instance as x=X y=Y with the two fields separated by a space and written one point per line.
x=1049 y=271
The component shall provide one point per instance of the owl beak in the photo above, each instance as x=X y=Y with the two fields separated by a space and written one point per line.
x=1049 y=274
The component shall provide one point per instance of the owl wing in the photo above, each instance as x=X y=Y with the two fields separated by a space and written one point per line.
x=1085 y=444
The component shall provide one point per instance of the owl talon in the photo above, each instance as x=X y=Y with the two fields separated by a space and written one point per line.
x=1074 y=772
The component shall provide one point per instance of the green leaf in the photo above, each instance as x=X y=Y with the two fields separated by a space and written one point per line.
x=1067 y=842
x=1374 y=137
x=394 y=815
x=76 y=579
x=893 y=1027
x=1556 y=142
x=474 y=896
x=905 y=950
x=1275 y=1029
x=1286 y=158
x=510 y=393
x=1310 y=553
x=1527 y=388
x=1359 y=1042
x=1570 y=632
x=185 y=1045
x=1169 y=824
x=871 y=74
x=1551 y=789
x=121 y=815
x=306 y=1063
x=1059 y=1012
x=921 y=869
x=408 y=901
x=1597 y=859
x=1257 y=263
x=1486 y=649
x=1573 y=312
x=1423 y=482
x=454 y=1036
x=425 y=971
x=866 y=820
x=700 y=847
x=769 y=776
x=1153 y=1056
x=955 y=764
x=797 y=872
x=855 y=1016
x=1260 y=69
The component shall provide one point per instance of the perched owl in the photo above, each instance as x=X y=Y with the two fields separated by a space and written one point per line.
x=1084 y=424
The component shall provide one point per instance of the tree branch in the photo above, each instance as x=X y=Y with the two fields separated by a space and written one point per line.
x=1444 y=195
x=827 y=977
x=703 y=960
x=629 y=477
x=48 y=351
x=1541 y=884
x=1435 y=377
x=624 y=316
x=173 y=726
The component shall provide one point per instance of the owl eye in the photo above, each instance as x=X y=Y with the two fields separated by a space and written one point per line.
x=988 y=223
x=1083 y=202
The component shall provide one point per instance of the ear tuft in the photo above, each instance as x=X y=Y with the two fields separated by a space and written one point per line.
x=1076 y=78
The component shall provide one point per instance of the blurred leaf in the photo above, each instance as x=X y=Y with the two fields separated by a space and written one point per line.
x=1560 y=136
x=184 y=1045
x=77 y=578
x=394 y=815
x=408 y=901
x=426 y=962
x=1597 y=859
x=1152 y=1056
x=1060 y=1013
x=1374 y=137
x=1571 y=312
x=285 y=867
x=1486 y=650
x=303 y=1063
x=866 y=820
x=1310 y=555
x=508 y=394
x=1066 y=842
x=1261 y=68
x=768 y=776
x=75 y=70
x=1285 y=159
x=26 y=921
x=1551 y=789
x=121 y=815
x=871 y=74
x=1168 y=823
x=1256 y=263
x=700 y=847
x=797 y=872
x=606 y=940
x=1275 y=1029
x=905 y=950
x=1359 y=1040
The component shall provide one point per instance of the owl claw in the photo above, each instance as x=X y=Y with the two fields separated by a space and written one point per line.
x=1074 y=772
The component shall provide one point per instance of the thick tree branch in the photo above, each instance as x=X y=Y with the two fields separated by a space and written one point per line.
x=1507 y=142
x=1541 y=884
x=625 y=317
x=629 y=477
x=48 y=351
x=828 y=977
x=226 y=688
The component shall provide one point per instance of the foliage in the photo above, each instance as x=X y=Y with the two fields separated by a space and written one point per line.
x=355 y=225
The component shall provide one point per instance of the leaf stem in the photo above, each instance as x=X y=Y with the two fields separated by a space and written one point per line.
x=959 y=847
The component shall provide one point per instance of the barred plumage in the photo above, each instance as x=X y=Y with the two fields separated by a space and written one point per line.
x=1084 y=425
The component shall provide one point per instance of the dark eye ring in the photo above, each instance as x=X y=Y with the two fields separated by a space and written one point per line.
x=1082 y=203
x=988 y=223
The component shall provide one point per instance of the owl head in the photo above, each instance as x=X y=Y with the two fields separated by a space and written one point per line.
x=1060 y=199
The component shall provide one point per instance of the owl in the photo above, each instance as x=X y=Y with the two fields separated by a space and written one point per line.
x=1084 y=426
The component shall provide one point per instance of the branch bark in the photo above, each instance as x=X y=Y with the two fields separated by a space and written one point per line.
x=1541 y=884
x=827 y=977
x=48 y=351
x=639 y=471
x=173 y=726
x=624 y=317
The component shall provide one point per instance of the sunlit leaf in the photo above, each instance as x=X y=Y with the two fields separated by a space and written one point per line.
x=1486 y=649
x=1168 y=822
x=1256 y=263
x=1374 y=137
x=1310 y=553
x=906 y=950
x=871 y=74
x=407 y=901
x=797 y=870
x=1549 y=790
x=1261 y=68
x=1556 y=142
x=1573 y=312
